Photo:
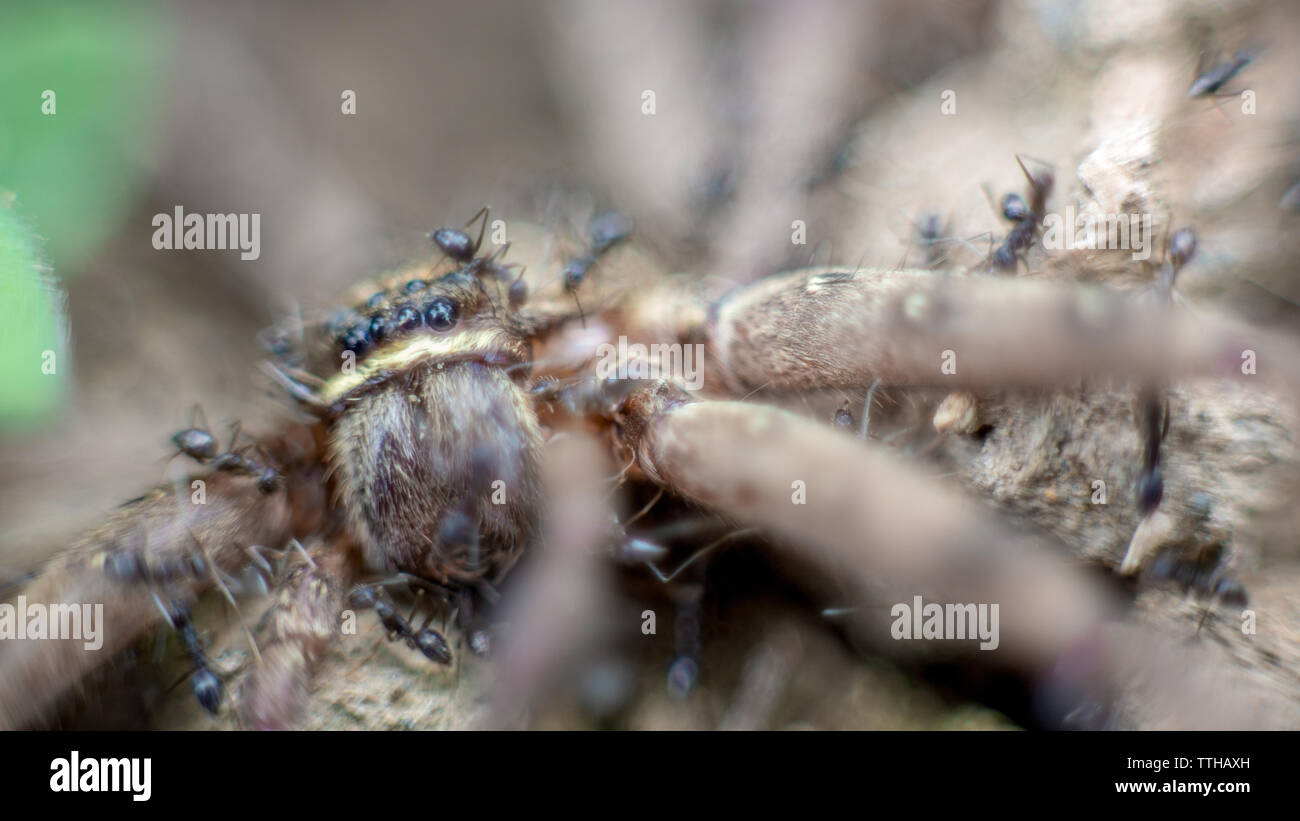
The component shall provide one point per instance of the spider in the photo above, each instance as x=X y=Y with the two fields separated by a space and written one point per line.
x=428 y=398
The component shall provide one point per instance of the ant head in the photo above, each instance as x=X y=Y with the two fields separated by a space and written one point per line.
x=575 y=270
x=207 y=688
x=456 y=243
x=1014 y=207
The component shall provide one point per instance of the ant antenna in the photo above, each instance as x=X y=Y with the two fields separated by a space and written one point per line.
x=581 y=315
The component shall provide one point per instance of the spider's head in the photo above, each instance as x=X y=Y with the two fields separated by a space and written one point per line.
x=407 y=322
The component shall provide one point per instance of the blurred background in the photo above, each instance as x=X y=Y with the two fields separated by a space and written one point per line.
x=714 y=124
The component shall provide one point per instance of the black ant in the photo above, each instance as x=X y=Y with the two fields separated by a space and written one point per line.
x=606 y=231
x=929 y=231
x=199 y=444
x=1026 y=217
x=1204 y=578
x=456 y=244
x=428 y=641
x=207 y=687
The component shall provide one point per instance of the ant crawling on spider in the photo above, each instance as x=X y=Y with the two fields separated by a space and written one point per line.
x=206 y=684
x=456 y=244
x=606 y=231
x=201 y=445
x=1025 y=216
x=428 y=641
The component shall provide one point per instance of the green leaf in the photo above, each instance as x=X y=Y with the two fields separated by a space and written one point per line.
x=73 y=170
x=33 y=330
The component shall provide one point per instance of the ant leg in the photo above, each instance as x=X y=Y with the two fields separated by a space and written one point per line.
x=698 y=555
x=483 y=212
x=581 y=314
x=685 y=669
x=235 y=429
x=304 y=395
x=1031 y=158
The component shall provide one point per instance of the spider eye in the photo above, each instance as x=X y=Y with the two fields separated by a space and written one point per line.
x=415 y=286
x=408 y=319
x=377 y=327
x=355 y=340
x=376 y=299
x=1014 y=208
x=441 y=314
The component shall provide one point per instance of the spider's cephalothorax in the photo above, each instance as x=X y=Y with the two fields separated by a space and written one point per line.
x=433 y=445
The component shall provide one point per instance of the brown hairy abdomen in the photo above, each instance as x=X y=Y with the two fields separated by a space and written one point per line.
x=429 y=443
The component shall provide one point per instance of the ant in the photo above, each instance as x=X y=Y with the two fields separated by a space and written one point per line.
x=199 y=444
x=606 y=230
x=456 y=244
x=428 y=641
x=1204 y=578
x=930 y=231
x=207 y=687
x=1025 y=217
